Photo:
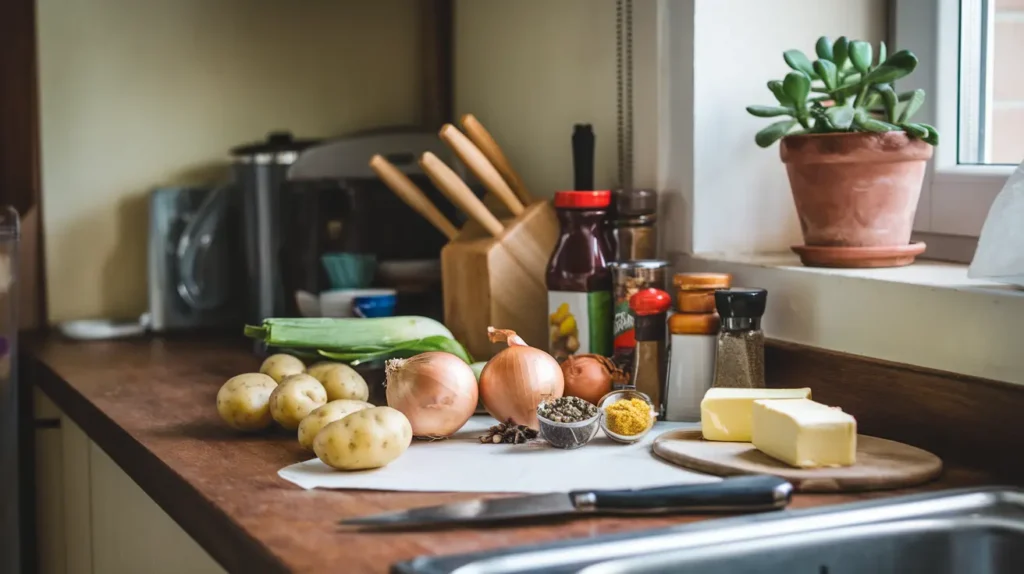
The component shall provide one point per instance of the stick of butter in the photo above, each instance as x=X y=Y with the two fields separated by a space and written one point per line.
x=725 y=413
x=804 y=433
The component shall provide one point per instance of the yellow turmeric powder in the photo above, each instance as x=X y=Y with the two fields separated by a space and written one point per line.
x=628 y=417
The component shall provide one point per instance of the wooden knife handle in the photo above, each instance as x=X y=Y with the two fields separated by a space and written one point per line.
x=477 y=163
x=412 y=195
x=483 y=140
x=459 y=193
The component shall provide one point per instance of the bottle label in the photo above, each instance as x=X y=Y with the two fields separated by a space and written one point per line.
x=579 y=323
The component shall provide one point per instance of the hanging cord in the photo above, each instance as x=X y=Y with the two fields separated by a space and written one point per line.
x=624 y=93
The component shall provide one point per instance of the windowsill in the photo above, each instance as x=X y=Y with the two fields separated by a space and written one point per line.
x=928 y=314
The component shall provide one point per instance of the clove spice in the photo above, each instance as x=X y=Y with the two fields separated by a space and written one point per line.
x=508 y=432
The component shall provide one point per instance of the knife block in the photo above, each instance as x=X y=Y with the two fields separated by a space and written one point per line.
x=500 y=281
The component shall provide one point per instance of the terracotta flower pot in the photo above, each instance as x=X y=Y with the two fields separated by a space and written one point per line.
x=856 y=190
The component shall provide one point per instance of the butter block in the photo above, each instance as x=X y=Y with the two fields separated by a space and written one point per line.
x=725 y=413
x=805 y=434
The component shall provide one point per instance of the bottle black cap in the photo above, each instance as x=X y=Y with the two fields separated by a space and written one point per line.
x=741 y=303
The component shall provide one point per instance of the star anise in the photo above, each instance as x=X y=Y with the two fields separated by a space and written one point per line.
x=508 y=432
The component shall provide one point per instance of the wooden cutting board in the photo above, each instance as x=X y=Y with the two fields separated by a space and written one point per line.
x=881 y=463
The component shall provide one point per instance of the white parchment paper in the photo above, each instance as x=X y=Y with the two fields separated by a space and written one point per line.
x=462 y=464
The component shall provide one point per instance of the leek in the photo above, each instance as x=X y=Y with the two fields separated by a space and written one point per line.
x=358 y=340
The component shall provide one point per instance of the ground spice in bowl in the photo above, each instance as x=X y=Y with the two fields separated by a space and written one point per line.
x=628 y=416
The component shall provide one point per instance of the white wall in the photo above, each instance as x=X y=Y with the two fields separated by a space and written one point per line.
x=141 y=94
x=529 y=70
x=742 y=201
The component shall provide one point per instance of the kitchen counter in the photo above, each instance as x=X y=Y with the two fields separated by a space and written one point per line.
x=149 y=404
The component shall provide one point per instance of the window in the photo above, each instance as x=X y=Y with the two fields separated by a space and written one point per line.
x=969 y=51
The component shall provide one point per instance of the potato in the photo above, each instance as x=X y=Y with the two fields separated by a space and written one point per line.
x=370 y=438
x=343 y=382
x=280 y=366
x=318 y=370
x=295 y=398
x=325 y=415
x=244 y=401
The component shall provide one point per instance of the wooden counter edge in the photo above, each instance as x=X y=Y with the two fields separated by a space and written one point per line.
x=211 y=528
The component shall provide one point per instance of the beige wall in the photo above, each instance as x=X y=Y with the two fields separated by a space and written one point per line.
x=529 y=70
x=140 y=94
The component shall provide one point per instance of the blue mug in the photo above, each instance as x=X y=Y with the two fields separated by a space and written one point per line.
x=369 y=306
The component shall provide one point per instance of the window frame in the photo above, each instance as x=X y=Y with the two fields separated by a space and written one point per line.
x=955 y=198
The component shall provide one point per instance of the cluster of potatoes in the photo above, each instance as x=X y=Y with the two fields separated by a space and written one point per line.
x=325 y=403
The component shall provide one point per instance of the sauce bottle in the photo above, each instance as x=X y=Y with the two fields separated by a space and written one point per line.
x=649 y=308
x=578 y=279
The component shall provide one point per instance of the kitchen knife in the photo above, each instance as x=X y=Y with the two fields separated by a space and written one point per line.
x=477 y=163
x=456 y=190
x=739 y=494
x=412 y=195
x=483 y=140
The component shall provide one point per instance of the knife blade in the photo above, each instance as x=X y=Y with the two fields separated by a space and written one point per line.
x=739 y=494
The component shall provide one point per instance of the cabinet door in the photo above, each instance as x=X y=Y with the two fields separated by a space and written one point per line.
x=49 y=482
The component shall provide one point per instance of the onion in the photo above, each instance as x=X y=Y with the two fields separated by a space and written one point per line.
x=517 y=379
x=590 y=376
x=436 y=391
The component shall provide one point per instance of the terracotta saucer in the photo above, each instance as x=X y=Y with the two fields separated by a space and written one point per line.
x=858 y=257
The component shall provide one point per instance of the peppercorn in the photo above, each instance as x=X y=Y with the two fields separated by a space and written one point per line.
x=567 y=410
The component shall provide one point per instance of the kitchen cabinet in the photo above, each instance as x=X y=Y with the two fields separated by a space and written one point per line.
x=91 y=518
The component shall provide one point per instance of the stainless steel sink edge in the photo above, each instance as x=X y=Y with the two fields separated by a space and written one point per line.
x=572 y=555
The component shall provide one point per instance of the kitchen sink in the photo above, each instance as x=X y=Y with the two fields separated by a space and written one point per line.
x=972 y=531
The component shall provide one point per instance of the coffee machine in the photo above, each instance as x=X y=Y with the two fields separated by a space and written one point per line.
x=305 y=204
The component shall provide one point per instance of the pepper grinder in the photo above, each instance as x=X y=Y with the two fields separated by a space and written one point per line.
x=649 y=308
x=739 y=359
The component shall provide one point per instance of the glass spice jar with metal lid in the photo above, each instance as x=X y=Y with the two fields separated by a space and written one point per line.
x=739 y=360
x=632 y=228
x=629 y=278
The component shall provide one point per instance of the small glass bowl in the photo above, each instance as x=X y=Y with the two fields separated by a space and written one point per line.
x=569 y=435
x=625 y=394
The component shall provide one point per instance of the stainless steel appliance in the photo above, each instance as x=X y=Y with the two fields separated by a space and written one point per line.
x=10 y=510
x=192 y=269
x=302 y=200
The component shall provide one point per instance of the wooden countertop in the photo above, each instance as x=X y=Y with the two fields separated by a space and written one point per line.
x=150 y=405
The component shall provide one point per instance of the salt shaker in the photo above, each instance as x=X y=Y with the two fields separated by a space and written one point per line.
x=649 y=308
x=739 y=360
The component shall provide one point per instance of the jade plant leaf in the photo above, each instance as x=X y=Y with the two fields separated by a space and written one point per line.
x=769 y=111
x=860 y=55
x=888 y=99
x=828 y=73
x=823 y=48
x=868 y=123
x=798 y=61
x=916 y=130
x=933 y=134
x=881 y=54
x=898 y=65
x=913 y=103
x=840 y=52
x=773 y=132
x=797 y=86
x=841 y=117
x=776 y=88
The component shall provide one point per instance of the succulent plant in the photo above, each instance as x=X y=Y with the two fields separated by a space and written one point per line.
x=842 y=91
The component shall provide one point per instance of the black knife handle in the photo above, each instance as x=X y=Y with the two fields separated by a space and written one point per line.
x=583 y=157
x=741 y=493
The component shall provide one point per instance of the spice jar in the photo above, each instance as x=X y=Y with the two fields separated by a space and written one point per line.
x=649 y=308
x=633 y=232
x=739 y=360
x=578 y=279
x=629 y=277
x=694 y=337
